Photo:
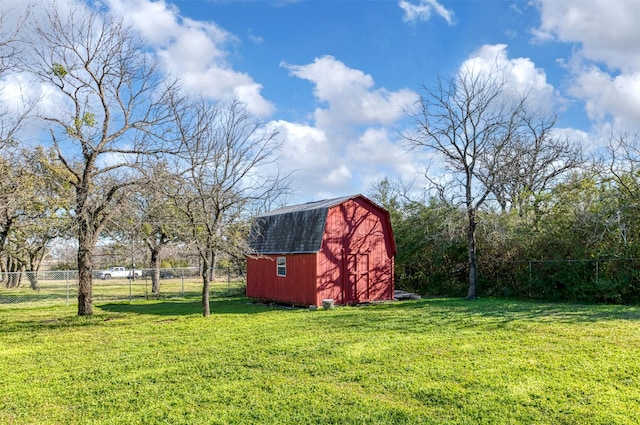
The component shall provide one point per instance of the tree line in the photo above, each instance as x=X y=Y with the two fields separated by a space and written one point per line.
x=516 y=209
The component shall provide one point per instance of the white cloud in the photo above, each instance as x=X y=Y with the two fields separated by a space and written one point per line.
x=521 y=75
x=23 y=97
x=374 y=146
x=195 y=50
x=579 y=136
x=378 y=153
x=421 y=11
x=254 y=38
x=349 y=95
x=337 y=177
x=317 y=161
x=19 y=91
x=304 y=146
x=605 y=67
x=333 y=165
x=349 y=144
x=605 y=96
x=155 y=21
x=378 y=147
x=607 y=30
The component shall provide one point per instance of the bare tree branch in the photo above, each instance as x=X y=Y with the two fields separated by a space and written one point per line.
x=224 y=170
x=113 y=108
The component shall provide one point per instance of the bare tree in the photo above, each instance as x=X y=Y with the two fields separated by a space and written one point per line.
x=223 y=175
x=624 y=163
x=477 y=128
x=531 y=164
x=112 y=100
x=622 y=167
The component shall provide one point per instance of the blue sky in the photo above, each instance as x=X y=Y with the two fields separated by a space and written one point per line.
x=372 y=36
x=334 y=76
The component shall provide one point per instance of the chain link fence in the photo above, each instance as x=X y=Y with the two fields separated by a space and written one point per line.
x=610 y=280
x=61 y=287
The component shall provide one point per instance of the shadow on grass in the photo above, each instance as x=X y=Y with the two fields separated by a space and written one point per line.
x=437 y=313
x=183 y=307
x=405 y=316
x=508 y=310
x=41 y=318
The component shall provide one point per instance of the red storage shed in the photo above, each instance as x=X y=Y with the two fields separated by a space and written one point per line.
x=340 y=249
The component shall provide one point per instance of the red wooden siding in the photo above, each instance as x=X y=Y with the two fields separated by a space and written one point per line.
x=355 y=264
x=297 y=287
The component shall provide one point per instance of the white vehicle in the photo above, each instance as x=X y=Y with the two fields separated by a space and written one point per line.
x=119 y=272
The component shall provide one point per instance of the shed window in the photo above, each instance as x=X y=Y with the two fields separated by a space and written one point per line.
x=281 y=266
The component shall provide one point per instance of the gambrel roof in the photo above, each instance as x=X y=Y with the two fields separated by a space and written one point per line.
x=293 y=229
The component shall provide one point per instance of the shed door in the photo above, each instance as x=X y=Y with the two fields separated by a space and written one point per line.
x=358 y=282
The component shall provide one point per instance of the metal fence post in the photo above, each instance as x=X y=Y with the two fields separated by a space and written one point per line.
x=67 y=297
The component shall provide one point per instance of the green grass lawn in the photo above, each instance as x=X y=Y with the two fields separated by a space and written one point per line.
x=428 y=361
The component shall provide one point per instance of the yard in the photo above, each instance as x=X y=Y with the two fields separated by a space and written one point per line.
x=54 y=289
x=427 y=361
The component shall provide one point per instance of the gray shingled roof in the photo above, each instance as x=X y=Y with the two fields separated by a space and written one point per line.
x=293 y=229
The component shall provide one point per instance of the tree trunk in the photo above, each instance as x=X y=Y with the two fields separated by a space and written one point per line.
x=155 y=266
x=208 y=265
x=14 y=276
x=35 y=261
x=33 y=280
x=472 y=294
x=212 y=271
x=85 y=282
x=13 y=280
x=3 y=237
x=206 y=309
x=6 y=228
